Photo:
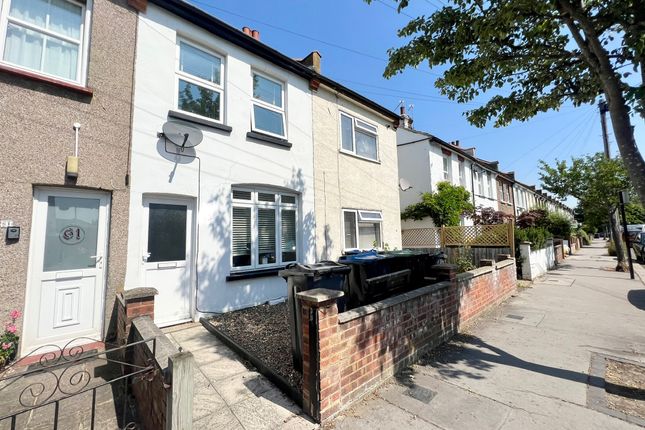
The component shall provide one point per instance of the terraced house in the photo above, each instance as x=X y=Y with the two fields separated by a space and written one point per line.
x=245 y=160
x=66 y=107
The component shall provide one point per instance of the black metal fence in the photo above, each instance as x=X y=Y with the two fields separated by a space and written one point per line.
x=52 y=377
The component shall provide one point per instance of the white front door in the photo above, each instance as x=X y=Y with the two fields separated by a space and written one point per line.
x=66 y=286
x=167 y=257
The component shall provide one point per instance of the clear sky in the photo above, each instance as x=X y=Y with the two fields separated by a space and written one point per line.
x=353 y=38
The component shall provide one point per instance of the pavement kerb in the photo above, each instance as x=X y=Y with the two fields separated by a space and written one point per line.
x=640 y=272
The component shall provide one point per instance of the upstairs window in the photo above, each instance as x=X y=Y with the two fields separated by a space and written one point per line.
x=446 y=169
x=358 y=137
x=479 y=182
x=489 y=184
x=264 y=229
x=462 y=174
x=199 y=82
x=362 y=229
x=268 y=106
x=46 y=36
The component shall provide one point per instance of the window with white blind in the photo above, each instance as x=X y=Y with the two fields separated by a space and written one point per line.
x=362 y=229
x=48 y=37
x=265 y=229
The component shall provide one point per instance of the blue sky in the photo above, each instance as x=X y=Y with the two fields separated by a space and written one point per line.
x=353 y=38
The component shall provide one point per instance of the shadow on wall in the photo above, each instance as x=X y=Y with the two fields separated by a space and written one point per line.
x=214 y=265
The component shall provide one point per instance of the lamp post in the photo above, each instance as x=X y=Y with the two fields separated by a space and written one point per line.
x=624 y=198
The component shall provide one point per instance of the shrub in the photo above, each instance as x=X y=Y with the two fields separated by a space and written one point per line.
x=611 y=249
x=465 y=260
x=586 y=240
x=489 y=216
x=533 y=218
x=559 y=225
x=536 y=235
x=445 y=206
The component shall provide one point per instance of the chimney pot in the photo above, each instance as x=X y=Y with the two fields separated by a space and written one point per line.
x=255 y=34
x=246 y=31
x=402 y=110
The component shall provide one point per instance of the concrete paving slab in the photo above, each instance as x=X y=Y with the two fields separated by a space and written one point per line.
x=241 y=386
x=270 y=410
x=222 y=419
x=377 y=413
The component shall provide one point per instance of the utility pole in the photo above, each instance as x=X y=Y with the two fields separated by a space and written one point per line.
x=602 y=106
x=613 y=218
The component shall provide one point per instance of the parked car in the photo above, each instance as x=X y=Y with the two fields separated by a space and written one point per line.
x=639 y=247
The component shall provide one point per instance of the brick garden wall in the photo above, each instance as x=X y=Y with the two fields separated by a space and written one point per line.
x=345 y=356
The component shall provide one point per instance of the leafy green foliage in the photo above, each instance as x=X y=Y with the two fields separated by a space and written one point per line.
x=594 y=180
x=445 y=207
x=586 y=240
x=635 y=213
x=527 y=45
x=559 y=225
x=538 y=236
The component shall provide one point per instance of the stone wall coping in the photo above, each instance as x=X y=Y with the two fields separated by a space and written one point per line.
x=362 y=311
x=164 y=348
x=319 y=295
x=139 y=293
x=504 y=263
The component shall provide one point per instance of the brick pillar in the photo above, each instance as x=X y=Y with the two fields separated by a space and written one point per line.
x=131 y=304
x=445 y=272
x=321 y=386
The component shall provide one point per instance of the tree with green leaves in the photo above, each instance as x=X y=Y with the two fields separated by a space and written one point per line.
x=547 y=52
x=446 y=206
x=596 y=182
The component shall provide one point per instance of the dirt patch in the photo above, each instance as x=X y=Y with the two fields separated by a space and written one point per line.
x=264 y=332
x=625 y=386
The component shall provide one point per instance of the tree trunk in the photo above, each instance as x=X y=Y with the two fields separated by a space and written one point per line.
x=618 y=240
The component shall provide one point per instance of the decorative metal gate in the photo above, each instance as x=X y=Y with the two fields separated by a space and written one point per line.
x=43 y=384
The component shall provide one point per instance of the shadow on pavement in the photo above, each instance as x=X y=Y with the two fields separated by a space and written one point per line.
x=637 y=298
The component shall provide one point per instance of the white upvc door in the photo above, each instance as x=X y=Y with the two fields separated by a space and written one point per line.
x=67 y=268
x=167 y=257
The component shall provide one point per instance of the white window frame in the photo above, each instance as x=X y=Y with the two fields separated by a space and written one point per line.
x=254 y=204
x=462 y=173
x=83 y=42
x=479 y=182
x=359 y=217
x=270 y=106
x=195 y=80
x=489 y=185
x=446 y=167
x=355 y=125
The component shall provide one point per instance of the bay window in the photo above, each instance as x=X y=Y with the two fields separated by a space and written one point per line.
x=46 y=36
x=362 y=229
x=358 y=137
x=268 y=106
x=199 y=82
x=264 y=229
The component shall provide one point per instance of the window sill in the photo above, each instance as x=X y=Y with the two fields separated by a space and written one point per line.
x=253 y=273
x=201 y=121
x=269 y=139
x=86 y=91
x=351 y=154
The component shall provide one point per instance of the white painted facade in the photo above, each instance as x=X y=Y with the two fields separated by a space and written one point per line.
x=225 y=160
x=421 y=165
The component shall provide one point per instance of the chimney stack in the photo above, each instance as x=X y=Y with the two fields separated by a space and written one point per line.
x=312 y=61
x=406 y=119
x=255 y=34
x=246 y=31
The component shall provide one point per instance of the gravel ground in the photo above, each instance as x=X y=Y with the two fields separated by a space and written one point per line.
x=625 y=385
x=264 y=332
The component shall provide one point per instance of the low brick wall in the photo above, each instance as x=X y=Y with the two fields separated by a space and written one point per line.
x=162 y=401
x=345 y=356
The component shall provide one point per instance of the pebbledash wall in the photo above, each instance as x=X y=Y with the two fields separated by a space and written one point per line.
x=37 y=117
x=345 y=356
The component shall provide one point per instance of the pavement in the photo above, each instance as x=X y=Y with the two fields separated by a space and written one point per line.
x=230 y=396
x=528 y=364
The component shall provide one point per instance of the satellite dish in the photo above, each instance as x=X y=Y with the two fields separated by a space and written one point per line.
x=182 y=135
x=404 y=184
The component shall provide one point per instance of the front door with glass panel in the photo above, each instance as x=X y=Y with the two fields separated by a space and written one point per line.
x=167 y=257
x=66 y=288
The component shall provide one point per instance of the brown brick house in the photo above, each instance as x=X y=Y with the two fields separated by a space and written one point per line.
x=505 y=201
